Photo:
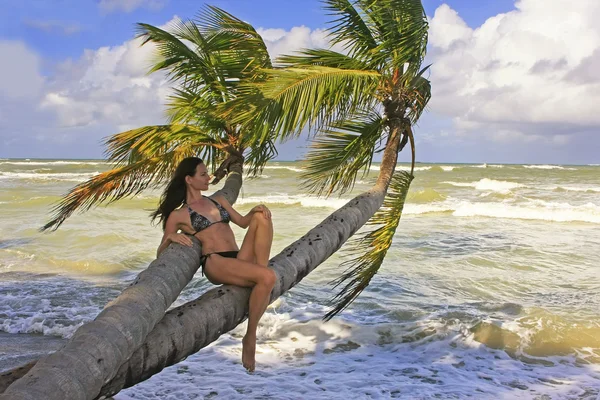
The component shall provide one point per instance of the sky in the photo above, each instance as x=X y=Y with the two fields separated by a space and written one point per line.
x=512 y=81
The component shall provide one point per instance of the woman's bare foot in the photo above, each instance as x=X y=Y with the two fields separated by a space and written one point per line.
x=248 y=352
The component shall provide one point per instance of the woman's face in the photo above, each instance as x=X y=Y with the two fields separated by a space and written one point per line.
x=199 y=181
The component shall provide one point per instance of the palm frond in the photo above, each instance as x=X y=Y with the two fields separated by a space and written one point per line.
x=349 y=28
x=417 y=97
x=293 y=98
x=230 y=35
x=401 y=27
x=152 y=141
x=373 y=245
x=322 y=57
x=341 y=151
x=118 y=183
x=191 y=107
x=258 y=156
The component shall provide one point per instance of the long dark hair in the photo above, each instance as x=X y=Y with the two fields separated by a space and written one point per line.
x=174 y=195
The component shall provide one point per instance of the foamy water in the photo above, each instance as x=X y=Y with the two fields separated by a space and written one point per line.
x=491 y=289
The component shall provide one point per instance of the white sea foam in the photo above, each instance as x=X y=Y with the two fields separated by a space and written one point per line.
x=294 y=169
x=448 y=168
x=486 y=184
x=531 y=210
x=400 y=168
x=61 y=176
x=366 y=352
x=549 y=167
x=54 y=162
x=577 y=188
x=299 y=356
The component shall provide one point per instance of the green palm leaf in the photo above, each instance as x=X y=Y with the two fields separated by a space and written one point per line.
x=417 y=97
x=349 y=28
x=401 y=27
x=154 y=141
x=292 y=98
x=372 y=246
x=207 y=61
x=230 y=35
x=190 y=63
x=324 y=58
x=341 y=151
x=118 y=183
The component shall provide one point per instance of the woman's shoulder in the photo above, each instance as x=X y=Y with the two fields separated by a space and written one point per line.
x=179 y=213
x=219 y=198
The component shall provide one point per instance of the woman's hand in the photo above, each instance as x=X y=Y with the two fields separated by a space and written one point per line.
x=262 y=208
x=180 y=238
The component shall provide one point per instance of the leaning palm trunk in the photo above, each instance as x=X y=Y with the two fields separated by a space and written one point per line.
x=188 y=328
x=98 y=348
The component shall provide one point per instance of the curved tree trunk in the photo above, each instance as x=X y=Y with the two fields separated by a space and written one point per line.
x=188 y=328
x=98 y=348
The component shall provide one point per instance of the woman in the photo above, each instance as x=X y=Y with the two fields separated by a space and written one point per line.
x=185 y=212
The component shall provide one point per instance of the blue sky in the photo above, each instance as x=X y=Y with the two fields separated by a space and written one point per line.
x=498 y=65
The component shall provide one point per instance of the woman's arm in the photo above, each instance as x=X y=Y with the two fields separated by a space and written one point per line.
x=236 y=217
x=171 y=235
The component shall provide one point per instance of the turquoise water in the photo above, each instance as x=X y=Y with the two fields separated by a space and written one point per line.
x=490 y=290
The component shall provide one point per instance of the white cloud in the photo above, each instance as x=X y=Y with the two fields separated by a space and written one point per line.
x=103 y=92
x=20 y=78
x=527 y=75
x=108 y=85
x=108 y=6
x=280 y=41
x=64 y=28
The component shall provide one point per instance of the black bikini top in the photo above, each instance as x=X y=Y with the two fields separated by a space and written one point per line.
x=200 y=222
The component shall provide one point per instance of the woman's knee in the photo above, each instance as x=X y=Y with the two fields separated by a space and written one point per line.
x=259 y=218
x=268 y=277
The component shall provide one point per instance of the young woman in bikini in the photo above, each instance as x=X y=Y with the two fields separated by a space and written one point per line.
x=185 y=212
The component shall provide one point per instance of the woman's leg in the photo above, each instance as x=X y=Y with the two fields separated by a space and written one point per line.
x=256 y=246
x=232 y=271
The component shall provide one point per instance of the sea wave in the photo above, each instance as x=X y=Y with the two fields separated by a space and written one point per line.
x=59 y=176
x=447 y=168
x=294 y=169
x=549 y=167
x=400 y=168
x=530 y=210
x=426 y=195
x=54 y=162
x=585 y=213
x=430 y=358
x=575 y=188
x=486 y=184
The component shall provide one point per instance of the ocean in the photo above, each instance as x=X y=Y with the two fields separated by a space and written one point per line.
x=491 y=289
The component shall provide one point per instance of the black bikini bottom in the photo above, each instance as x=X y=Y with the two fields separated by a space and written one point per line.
x=226 y=254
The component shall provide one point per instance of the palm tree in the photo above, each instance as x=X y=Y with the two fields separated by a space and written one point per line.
x=207 y=60
x=357 y=103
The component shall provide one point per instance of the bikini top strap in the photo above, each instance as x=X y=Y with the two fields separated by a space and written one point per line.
x=214 y=201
